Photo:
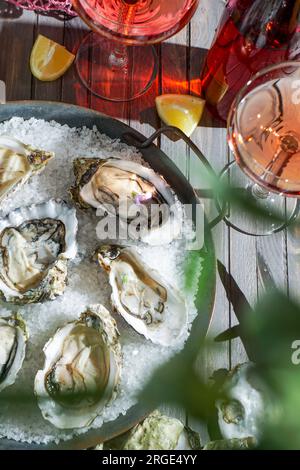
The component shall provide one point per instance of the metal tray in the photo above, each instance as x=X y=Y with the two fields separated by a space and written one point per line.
x=75 y=116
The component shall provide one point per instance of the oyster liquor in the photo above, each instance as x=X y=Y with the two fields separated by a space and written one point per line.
x=150 y=459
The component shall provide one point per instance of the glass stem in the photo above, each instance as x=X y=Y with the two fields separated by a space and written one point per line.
x=118 y=59
x=259 y=192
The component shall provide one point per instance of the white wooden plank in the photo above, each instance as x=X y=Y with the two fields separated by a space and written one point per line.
x=72 y=89
x=273 y=249
x=14 y=55
x=174 y=80
x=53 y=29
x=212 y=142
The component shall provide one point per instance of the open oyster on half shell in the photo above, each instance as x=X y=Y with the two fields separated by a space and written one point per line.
x=13 y=339
x=82 y=370
x=147 y=303
x=36 y=243
x=247 y=404
x=141 y=199
x=18 y=162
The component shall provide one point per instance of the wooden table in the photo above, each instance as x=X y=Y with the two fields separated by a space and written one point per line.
x=181 y=59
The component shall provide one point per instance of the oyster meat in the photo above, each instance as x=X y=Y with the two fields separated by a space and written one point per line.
x=147 y=303
x=124 y=189
x=82 y=370
x=247 y=405
x=36 y=243
x=13 y=339
x=18 y=162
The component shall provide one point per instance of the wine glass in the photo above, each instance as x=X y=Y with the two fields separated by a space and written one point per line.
x=117 y=61
x=264 y=136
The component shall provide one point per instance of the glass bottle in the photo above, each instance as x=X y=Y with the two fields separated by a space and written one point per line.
x=252 y=35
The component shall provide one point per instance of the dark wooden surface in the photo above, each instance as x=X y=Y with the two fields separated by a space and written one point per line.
x=181 y=59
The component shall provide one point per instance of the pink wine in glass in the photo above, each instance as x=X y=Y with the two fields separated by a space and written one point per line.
x=136 y=21
x=118 y=61
x=252 y=35
x=266 y=134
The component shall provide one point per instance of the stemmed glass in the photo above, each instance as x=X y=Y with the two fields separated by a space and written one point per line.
x=117 y=61
x=264 y=136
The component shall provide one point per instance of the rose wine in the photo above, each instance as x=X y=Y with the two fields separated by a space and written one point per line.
x=266 y=135
x=136 y=21
x=252 y=35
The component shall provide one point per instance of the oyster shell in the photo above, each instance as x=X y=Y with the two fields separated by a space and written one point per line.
x=156 y=432
x=18 y=162
x=122 y=188
x=36 y=243
x=247 y=443
x=13 y=339
x=144 y=300
x=247 y=405
x=81 y=371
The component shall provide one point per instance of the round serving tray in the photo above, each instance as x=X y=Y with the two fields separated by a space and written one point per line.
x=75 y=116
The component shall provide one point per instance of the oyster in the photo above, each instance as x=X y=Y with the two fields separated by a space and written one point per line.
x=247 y=405
x=144 y=300
x=35 y=245
x=247 y=443
x=131 y=192
x=18 y=162
x=81 y=371
x=13 y=339
x=156 y=432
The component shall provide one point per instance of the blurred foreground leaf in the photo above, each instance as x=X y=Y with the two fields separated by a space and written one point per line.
x=272 y=328
x=283 y=430
x=178 y=383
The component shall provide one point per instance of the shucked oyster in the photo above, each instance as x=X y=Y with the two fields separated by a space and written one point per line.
x=35 y=245
x=144 y=300
x=81 y=371
x=247 y=405
x=18 y=162
x=156 y=432
x=13 y=339
x=125 y=188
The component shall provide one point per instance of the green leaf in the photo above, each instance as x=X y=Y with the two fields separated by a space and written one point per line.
x=178 y=383
x=272 y=328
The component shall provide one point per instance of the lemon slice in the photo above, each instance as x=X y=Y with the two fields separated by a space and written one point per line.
x=49 y=60
x=183 y=111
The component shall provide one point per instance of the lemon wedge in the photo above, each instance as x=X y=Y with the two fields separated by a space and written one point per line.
x=49 y=60
x=183 y=111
